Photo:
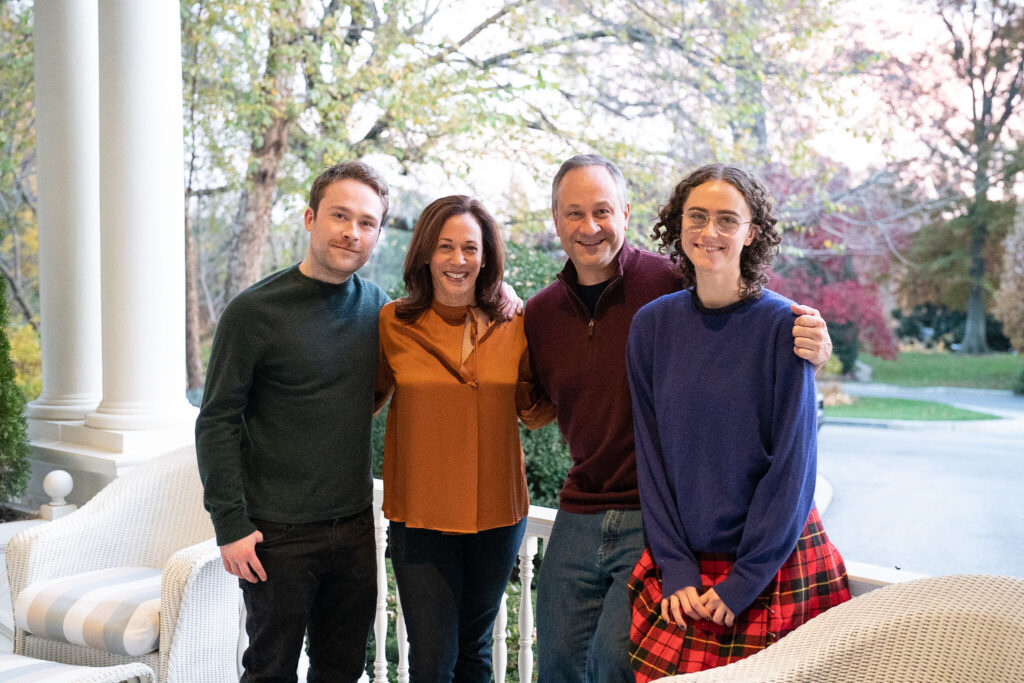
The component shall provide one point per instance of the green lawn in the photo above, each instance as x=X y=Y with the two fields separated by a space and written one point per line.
x=923 y=369
x=903 y=409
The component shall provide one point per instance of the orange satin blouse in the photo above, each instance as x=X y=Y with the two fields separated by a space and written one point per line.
x=452 y=457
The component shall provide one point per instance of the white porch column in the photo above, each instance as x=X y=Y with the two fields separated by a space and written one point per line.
x=67 y=151
x=142 y=215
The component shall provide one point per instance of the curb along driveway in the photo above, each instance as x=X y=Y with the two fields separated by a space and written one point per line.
x=1004 y=404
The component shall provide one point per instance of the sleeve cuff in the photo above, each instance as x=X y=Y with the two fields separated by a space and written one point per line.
x=678 y=575
x=737 y=594
x=233 y=528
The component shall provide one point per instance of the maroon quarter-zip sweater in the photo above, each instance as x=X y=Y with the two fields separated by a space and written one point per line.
x=581 y=364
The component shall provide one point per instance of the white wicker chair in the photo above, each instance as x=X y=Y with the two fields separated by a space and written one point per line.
x=17 y=668
x=151 y=517
x=934 y=630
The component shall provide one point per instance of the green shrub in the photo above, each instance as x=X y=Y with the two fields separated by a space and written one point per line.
x=530 y=269
x=547 y=462
x=27 y=359
x=14 y=448
x=935 y=324
x=1018 y=388
x=845 y=344
x=377 y=440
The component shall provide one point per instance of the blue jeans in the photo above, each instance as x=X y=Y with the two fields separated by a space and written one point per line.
x=450 y=586
x=583 y=612
x=321 y=577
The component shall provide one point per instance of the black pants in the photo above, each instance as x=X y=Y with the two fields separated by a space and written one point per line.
x=321 y=577
x=450 y=586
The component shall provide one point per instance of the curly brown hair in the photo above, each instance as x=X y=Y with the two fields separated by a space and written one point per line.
x=755 y=258
x=418 y=282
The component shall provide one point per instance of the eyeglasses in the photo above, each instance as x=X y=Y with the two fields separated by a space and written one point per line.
x=696 y=221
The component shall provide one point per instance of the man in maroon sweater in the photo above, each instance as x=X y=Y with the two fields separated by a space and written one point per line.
x=577 y=329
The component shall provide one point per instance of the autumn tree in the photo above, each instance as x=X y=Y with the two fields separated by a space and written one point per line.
x=14 y=450
x=296 y=85
x=967 y=102
x=840 y=239
x=17 y=161
x=667 y=86
x=276 y=90
x=938 y=268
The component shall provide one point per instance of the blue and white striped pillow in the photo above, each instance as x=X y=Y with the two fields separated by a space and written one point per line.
x=19 y=669
x=117 y=610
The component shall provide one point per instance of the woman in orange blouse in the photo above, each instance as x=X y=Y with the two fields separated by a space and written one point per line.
x=454 y=482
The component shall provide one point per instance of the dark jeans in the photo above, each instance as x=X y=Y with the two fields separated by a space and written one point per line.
x=450 y=586
x=321 y=577
x=583 y=611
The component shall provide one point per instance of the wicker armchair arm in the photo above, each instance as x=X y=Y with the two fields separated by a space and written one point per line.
x=199 y=624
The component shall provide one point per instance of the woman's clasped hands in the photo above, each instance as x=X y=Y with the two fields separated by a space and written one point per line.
x=687 y=601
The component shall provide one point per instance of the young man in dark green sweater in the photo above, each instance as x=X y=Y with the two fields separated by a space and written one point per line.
x=283 y=440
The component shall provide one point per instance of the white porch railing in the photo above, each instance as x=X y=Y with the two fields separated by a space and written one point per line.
x=863 y=578
x=538 y=526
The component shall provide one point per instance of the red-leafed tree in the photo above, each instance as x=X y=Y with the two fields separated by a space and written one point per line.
x=964 y=97
x=839 y=239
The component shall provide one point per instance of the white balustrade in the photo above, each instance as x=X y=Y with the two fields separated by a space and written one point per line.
x=403 y=643
x=538 y=527
x=526 y=555
x=499 y=653
x=380 y=623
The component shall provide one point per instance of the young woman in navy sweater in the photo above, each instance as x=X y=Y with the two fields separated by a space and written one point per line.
x=724 y=415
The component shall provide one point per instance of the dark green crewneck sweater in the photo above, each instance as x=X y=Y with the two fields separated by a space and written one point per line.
x=284 y=430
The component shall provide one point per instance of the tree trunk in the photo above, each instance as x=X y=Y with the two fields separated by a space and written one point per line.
x=268 y=148
x=193 y=352
x=974 y=330
x=246 y=263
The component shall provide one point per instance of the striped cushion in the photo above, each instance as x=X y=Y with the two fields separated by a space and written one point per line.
x=117 y=610
x=18 y=669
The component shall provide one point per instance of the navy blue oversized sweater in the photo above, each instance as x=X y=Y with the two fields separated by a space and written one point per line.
x=725 y=436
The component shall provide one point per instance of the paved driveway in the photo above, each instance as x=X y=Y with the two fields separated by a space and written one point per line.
x=943 y=498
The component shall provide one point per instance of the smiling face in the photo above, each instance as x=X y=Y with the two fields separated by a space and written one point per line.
x=342 y=231
x=590 y=222
x=716 y=257
x=456 y=261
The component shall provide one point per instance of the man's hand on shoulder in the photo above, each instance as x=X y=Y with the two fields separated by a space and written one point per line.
x=240 y=559
x=511 y=304
x=810 y=336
